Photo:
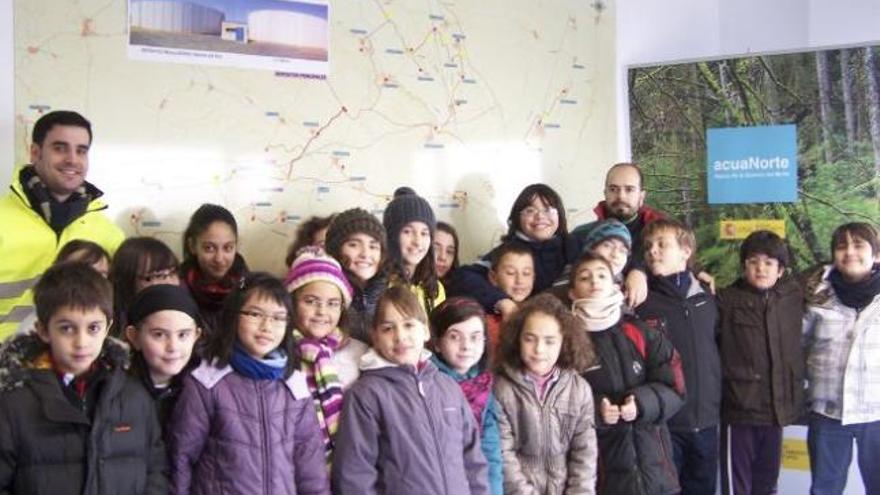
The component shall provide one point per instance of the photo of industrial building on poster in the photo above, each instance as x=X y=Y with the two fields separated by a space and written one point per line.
x=279 y=35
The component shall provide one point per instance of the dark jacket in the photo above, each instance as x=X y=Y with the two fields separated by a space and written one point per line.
x=691 y=323
x=164 y=398
x=404 y=431
x=636 y=457
x=551 y=258
x=761 y=353
x=231 y=434
x=49 y=446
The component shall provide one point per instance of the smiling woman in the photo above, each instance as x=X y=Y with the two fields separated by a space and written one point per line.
x=212 y=265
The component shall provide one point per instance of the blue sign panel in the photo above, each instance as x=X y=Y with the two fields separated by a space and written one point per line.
x=752 y=164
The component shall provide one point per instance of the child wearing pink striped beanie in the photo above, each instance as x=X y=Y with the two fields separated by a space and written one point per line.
x=328 y=356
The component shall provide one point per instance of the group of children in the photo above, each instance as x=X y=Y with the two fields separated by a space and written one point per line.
x=355 y=373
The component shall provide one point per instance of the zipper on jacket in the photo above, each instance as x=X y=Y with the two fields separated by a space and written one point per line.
x=433 y=432
x=265 y=435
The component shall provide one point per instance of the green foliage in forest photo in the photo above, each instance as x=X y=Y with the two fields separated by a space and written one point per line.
x=832 y=96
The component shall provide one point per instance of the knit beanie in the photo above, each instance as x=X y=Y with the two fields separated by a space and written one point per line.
x=162 y=297
x=406 y=207
x=605 y=229
x=350 y=222
x=313 y=265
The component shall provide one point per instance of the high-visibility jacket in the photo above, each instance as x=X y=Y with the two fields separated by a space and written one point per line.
x=28 y=246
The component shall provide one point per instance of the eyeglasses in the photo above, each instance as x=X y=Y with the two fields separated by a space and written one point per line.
x=316 y=303
x=531 y=211
x=275 y=320
x=157 y=275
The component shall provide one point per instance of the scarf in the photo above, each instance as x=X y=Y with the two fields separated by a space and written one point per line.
x=856 y=295
x=475 y=384
x=210 y=295
x=477 y=391
x=316 y=361
x=58 y=215
x=599 y=314
x=269 y=368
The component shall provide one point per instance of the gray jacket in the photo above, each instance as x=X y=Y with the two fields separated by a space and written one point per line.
x=549 y=446
x=404 y=431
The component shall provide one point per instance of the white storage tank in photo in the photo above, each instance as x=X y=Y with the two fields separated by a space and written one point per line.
x=287 y=28
x=176 y=16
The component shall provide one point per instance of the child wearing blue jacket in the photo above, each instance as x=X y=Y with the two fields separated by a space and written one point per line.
x=459 y=331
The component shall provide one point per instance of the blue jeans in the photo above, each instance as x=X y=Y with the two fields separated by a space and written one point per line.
x=695 y=454
x=831 y=445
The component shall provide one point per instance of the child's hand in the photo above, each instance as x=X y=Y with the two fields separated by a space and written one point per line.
x=610 y=412
x=629 y=411
x=506 y=307
x=635 y=287
x=708 y=280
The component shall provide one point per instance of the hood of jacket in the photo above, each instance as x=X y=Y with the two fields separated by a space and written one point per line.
x=22 y=354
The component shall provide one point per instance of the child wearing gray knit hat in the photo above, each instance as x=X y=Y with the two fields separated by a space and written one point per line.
x=611 y=240
x=410 y=224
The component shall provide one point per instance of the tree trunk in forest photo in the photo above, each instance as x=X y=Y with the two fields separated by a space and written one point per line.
x=872 y=88
x=824 y=101
x=846 y=80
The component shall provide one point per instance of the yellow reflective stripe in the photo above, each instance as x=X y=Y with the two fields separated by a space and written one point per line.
x=17 y=315
x=17 y=288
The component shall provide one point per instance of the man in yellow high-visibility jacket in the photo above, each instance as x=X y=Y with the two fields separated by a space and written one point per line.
x=49 y=204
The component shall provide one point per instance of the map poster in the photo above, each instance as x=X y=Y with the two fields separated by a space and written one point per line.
x=279 y=35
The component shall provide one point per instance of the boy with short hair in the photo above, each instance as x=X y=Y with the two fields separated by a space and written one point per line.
x=71 y=420
x=163 y=329
x=685 y=311
x=512 y=271
x=842 y=335
x=762 y=388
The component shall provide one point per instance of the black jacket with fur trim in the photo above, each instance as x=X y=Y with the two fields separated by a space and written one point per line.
x=50 y=446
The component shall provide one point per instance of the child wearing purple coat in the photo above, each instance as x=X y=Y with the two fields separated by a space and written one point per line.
x=245 y=421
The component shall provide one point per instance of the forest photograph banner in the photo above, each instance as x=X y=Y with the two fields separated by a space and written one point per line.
x=823 y=106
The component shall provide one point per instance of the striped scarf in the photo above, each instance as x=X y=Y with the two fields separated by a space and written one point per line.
x=316 y=357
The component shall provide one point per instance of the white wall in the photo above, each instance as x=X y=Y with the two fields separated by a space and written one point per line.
x=7 y=127
x=654 y=31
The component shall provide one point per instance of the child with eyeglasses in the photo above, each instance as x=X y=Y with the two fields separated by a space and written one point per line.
x=139 y=263
x=461 y=352
x=328 y=356
x=245 y=421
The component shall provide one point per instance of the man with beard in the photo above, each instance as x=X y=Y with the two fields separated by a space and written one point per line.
x=49 y=204
x=625 y=201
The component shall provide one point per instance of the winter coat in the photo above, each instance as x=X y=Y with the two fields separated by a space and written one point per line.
x=28 y=246
x=636 y=457
x=843 y=355
x=761 y=353
x=231 y=434
x=549 y=446
x=489 y=440
x=691 y=323
x=406 y=431
x=49 y=446
x=551 y=258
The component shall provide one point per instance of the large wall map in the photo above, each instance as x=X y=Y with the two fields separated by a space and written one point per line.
x=465 y=101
